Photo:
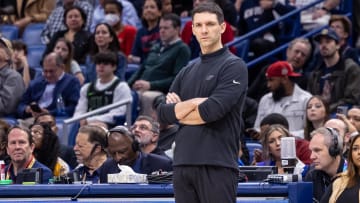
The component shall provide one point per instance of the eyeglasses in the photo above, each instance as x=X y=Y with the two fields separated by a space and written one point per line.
x=141 y=127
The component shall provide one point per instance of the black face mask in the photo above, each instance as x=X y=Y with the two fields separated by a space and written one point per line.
x=279 y=93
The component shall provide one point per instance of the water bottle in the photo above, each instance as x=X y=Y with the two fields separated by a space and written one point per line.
x=60 y=106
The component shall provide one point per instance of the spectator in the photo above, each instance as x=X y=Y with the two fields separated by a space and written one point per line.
x=74 y=20
x=345 y=187
x=32 y=12
x=90 y=152
x=326 y=146
x=148 y=34
x=104 y=39
x=46 y=90
x=4 y=128
x=146 y=131
x=165 y=60
x=271 y=151
x=65 y=49
x=129 y=15
x=47 y=149
x=297 y=54
x=19 y=139
x=285 y=97
x=317 y=113
x=56 y=21
x=166 y=7
x=189 y=39
x=11 y=83
x=335 y=79
x=20 y=62
x=354 y=117
x=65 y=152
x=105 y=90
x=125 y=150
x=125 y=33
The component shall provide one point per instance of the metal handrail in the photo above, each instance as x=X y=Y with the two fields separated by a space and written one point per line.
x=67 y=122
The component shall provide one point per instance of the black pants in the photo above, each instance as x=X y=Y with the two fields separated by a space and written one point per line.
x=205 y=184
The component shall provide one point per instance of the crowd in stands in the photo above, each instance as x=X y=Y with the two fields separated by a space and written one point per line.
x=311 y=91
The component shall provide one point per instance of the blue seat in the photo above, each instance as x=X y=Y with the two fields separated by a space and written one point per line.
x=34 y=55
x=242 y=49
x=131 y=69
x=10 y=32
x=251 y=147
x=120 y=120
x=31 y=35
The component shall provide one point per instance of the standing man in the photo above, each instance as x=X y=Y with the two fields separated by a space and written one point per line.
x=207 y=98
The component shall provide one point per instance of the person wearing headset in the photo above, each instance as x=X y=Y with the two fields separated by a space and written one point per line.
x=90 y=152
x=12 y=85
x=326 y=154
x=124 y=149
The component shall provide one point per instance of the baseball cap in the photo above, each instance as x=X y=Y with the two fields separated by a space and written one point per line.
x=327 y=32
x=281 y=69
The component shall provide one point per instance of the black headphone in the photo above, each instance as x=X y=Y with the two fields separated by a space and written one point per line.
x=334 y=148
x=135 y=145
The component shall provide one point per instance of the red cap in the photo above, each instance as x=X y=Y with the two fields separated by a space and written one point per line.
x=281 y=69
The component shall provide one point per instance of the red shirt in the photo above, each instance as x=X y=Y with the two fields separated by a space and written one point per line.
x=126 y=38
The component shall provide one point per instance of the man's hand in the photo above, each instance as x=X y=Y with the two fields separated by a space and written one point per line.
x=172 y=98
x=141 y=85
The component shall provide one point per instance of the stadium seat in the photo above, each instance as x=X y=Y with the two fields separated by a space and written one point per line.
x=31 y=35
x=10 y=32
x=131 y=69
x=121 y=119
x=251 y=147
x=34 y=55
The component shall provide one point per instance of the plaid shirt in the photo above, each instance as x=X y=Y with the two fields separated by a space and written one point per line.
x=55 y=22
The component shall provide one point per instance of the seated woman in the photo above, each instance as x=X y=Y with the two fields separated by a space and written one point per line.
x=317 y=113
x=271 y=151
x=74 y=20
x=346 y=187
x=65 y=49
x=47 y=149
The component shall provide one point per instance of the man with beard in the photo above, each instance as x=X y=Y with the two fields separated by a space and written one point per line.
x=336 y=79
x=124 y=149
x=285 y=97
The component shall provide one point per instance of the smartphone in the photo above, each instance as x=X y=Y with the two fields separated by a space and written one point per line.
x=35 y=107
x=342 y=110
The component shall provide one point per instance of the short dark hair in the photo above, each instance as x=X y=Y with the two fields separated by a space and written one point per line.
x=19 y=45
x=155 y=126
x=118 y=4
x=275 y=118
x=106 y=57
x=175 y=19
x=209 y=7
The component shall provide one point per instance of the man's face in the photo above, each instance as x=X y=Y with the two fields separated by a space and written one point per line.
x=105 y=70
x=168 y=32
x=17 y=54
x=320 y=156
x=48 y=119
x=339 y=29
x=83 y=148
x=142 y=130
x=297 y=55
x=328 y=47
x=120 y=149
x=354 y=117
x=18 y=147
x=277 y=88
x=51 y=71
x=207 y=31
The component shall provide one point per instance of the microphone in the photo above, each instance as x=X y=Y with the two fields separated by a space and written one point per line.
x=288 y=154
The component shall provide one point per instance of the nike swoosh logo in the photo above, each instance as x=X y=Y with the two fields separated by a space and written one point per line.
x=236 y=82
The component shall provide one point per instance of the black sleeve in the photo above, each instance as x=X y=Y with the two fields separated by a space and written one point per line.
x=326 y=197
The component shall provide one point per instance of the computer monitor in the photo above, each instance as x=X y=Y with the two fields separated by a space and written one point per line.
x=257 y=173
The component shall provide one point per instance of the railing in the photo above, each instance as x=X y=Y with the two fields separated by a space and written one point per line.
x=67 y=122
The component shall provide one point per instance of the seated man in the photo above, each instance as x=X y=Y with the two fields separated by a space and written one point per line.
x=164 y=61
x=46 y=91
x=90 y=152
x=11 y=83
x=107 y=89
x=146 y=131
x=20 y=146
x=125 y=150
